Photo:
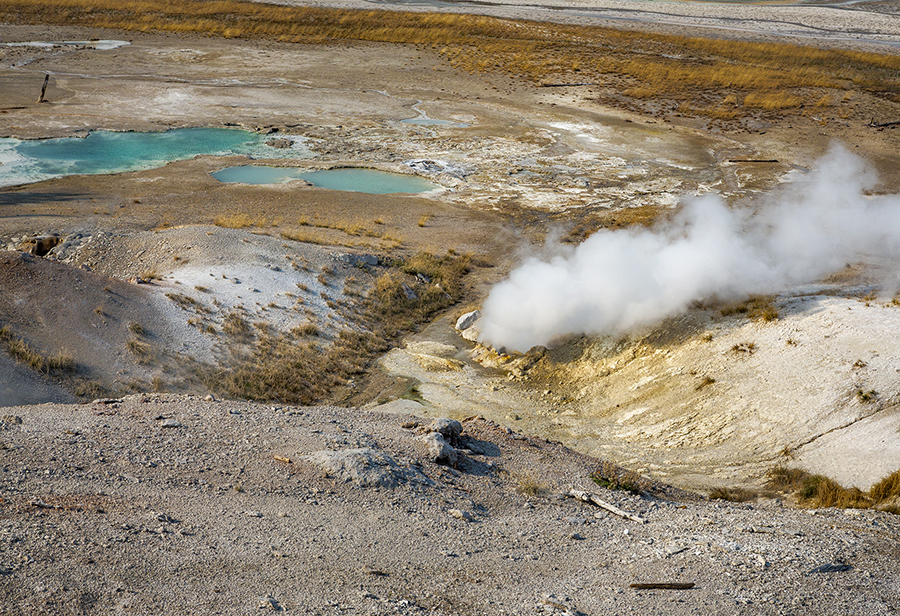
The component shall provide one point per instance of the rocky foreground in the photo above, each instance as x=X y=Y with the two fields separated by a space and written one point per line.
x=170 y=504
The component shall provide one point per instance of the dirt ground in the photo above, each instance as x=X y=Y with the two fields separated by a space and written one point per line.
x=519 y=162
x=162 y=504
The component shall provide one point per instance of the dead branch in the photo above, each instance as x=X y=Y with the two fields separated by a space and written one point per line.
x=594 y=500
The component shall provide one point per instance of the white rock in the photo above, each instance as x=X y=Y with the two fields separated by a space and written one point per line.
x=366 y=467
x=467 y=320
x=460 y=515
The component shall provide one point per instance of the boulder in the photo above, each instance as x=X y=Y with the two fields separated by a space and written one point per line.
x=366 y=467
x=450 y=429
x=40 y=245
x=439 y=450
x=467 y=320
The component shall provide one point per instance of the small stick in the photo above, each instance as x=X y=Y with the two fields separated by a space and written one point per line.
x=874 y=124
x=282 y=459
x=44 y=88
x=664 y=585
x=590 y=498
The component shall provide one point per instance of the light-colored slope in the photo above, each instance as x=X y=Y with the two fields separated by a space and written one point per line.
x=699 y=412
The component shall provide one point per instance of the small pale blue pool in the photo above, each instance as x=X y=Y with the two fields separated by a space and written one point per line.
x=349 y=179
x=24 y=162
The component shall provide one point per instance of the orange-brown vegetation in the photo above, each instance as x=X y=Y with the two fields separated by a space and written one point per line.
x=718 y=78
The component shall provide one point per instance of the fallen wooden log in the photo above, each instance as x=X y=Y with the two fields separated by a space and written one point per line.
x=663 y=585
x=594 y=500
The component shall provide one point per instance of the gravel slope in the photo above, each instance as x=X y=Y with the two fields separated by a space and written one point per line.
x=164 y=504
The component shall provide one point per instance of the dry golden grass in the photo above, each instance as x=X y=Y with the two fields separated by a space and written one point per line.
x=755 y=307
x=819 y=491
x=529 y=486
x=772 y=100
x=886 y=489
x=280 y=367
x=240 y=220
x=237 y=326
x=686 y=70
x=141 y=350
x=23 y=353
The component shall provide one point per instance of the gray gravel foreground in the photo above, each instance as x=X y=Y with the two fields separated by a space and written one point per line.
x=163 y=504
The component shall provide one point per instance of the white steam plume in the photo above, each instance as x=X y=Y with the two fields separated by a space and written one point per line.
x=619 y=280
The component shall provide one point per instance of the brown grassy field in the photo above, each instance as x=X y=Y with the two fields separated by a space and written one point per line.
x=716 y=78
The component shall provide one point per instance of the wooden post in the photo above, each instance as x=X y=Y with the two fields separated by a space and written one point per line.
x=44 y=88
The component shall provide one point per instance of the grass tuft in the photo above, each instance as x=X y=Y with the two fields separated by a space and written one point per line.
x=613 y=477
x=23 y=353
x=529 y=486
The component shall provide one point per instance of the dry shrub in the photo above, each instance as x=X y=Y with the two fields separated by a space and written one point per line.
x=529 y=486
x=183 y=300
x=237 y=326
x=86 y=389
x=820 y=491
x=306 y=329
x=786 y=479
x=61 y=362
x=613 y=477
x=744 y=347
x=141 y=350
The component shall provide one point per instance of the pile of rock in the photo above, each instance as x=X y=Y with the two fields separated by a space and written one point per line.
x=465 y=325
x=441 y=439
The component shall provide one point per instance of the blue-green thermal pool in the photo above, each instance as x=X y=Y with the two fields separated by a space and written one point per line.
x=24 y=162
x=349 y=179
